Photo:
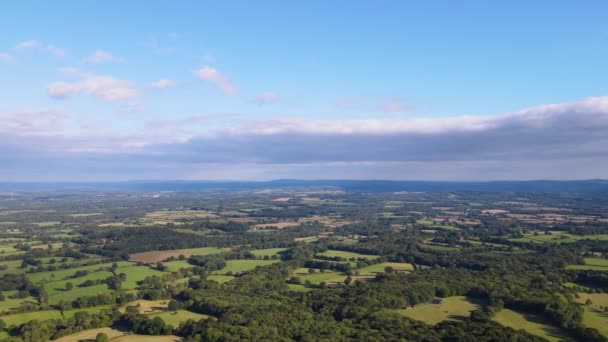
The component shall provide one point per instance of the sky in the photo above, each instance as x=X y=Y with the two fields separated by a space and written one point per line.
x=260 y=90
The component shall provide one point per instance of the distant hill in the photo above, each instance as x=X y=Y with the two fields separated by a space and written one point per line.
x=538 y=186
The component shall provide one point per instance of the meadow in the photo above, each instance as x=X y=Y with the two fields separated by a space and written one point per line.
x=450 y=308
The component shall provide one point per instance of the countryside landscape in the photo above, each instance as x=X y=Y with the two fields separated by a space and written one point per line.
x=303 y=263
x=309 y=171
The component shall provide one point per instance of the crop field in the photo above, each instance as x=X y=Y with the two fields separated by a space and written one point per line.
x=452 y=308
x=237 y=266
x=532 y=323
x=347 y=255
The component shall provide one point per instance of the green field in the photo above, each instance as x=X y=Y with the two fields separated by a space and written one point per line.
x=236 y=266
x=12 y=303
x=452 y=308
x=174 y=318
x=205 y=250
x=20 y=318
x=532 y=323
x=559 y=238
x=174 y=266
x=267 y=252
x=298 y=288
x=317 y=277
x=597 y=264
x=347 y=255
x=594 y=316
x=137 y=273
x=379 y=268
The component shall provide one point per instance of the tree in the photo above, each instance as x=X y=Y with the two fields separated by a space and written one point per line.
x=348 y=280
x=69 y=286
x=101 y=337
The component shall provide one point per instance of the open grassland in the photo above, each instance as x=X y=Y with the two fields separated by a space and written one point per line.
x=380 y=268
x=267 y=252
x=137 y=273
x=67 y=273
x=452 y=308
x=13 y=303
x=206 y=250
x=347 y=255
x=597 y=264
x=176 y=265
x=315 y=278
x=174 y=318
x=24 y=317
x=595 y=316
x=558 y=238
x=236 y=266
x=298 y=288
x=532 y=323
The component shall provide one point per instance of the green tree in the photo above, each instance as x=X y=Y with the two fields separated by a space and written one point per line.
x=101 y=337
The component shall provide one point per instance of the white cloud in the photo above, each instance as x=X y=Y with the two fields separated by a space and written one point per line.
x=55 y=51
x=392 y=106
x=28 y=44
x=212 y=75
x=266 y=98
x=38 y=45
x=6 y=57
x=101 y=56
x=62 y=90
x=163 y=84
x=106 y=88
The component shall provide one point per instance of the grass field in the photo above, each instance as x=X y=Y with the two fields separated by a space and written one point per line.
x=594 y=316
x=236 y=266
x=597 y=264
x=174 y=266
x=453 y=308
x=316 y=277
x=205 y=250
x=137 y=273
x=379 y=268
x=347 y=255
x=174 y=318
x=24 y=317
x=559 y=238
x=10 y=303
x=532 y=323
x=267 y=252
x=298 y=288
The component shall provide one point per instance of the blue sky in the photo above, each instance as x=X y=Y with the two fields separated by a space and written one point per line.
x=185 y=90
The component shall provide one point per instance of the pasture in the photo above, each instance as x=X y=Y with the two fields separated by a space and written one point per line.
x=260 y=253
x=450 y=308
x=174 y=318
x=347 y=255
x=533 y=323
x=237 y=266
